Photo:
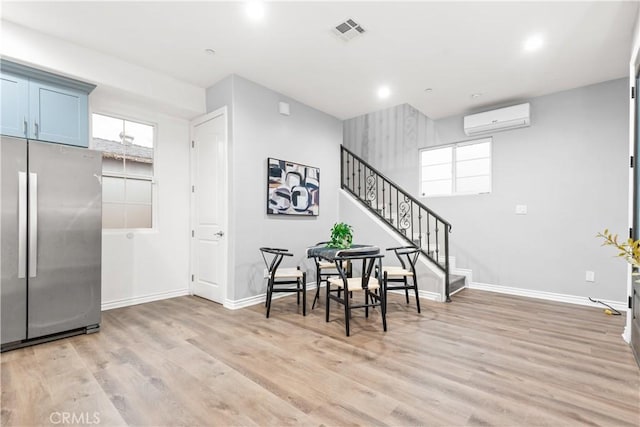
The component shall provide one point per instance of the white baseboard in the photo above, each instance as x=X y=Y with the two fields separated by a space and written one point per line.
x=550 y=296
x=246 y=302
x=258 y=299
x=109 y=305
x=626 y=334
x=468 y=275
x=433 y=296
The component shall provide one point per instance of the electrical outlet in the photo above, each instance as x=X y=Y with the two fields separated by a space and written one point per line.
x=521 y=209
x=590 y=276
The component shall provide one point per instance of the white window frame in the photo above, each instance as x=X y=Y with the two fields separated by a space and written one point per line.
x=154 y=202
x=454 y=174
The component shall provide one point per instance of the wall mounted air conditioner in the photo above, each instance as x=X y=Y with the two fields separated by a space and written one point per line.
x=513 y=117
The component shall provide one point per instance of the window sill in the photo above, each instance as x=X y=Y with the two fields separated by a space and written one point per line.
x=120 y=231
x=441 y=196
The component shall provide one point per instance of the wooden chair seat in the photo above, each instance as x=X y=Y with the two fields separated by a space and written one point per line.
x=283 y=273
x=328 y=265
x=324 y=271
x=281 y=279
x=355 y=283
x=340 y=288
x=403 y=277
x=396 y=271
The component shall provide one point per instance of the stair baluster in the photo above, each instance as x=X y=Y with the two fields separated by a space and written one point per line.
x=406 y=221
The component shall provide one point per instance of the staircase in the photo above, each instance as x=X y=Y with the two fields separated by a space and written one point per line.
x=412 y=220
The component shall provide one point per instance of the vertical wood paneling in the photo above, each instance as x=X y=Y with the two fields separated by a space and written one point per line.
x=389 y=139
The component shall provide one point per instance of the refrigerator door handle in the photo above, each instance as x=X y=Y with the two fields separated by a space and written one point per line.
x=33 y=224
x=22 y=225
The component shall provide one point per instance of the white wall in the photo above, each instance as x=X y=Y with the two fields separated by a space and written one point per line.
x=158 y=91
x=143 y=265
x=307 y=136
x=370 y=230
x=137 y=266
x=569 y=168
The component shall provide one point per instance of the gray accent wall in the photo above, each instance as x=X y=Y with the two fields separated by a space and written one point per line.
x=259 y=131
x=389 y=141
x=570 y=168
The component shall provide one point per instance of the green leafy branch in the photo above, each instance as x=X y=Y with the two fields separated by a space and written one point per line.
x=628 y=249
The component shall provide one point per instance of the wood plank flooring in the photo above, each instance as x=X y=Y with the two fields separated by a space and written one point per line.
x=485 y=359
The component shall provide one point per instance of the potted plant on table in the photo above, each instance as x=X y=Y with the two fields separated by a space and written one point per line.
x=341 y=236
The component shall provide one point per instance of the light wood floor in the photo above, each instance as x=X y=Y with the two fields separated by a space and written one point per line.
x=485 y=359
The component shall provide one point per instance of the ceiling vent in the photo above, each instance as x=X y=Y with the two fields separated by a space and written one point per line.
x=348 y=30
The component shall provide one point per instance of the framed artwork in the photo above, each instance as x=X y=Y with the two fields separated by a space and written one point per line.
x=292 y=188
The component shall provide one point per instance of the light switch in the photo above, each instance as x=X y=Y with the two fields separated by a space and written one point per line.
x=284 y=109
x=521 y=209
x=590 y=276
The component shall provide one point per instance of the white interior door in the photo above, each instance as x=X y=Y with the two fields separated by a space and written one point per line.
x=208 y=205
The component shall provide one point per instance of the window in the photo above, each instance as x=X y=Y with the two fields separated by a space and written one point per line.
x=463 y=168
x=127 y=171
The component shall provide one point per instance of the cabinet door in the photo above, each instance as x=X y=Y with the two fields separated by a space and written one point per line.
x=14 y=93
x=58 y=114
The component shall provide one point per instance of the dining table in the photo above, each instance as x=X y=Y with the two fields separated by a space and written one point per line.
x=329 y=253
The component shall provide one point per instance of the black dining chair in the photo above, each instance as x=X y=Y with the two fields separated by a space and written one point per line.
x=342 y=288
x=403 y=277
x=278 y=276
x=324 y=271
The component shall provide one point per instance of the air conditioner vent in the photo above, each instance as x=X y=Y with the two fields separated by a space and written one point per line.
x=343 y=28
x=348 y=29
x=506 y=118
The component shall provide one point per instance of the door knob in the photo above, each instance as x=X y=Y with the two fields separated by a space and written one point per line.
x=219 y=233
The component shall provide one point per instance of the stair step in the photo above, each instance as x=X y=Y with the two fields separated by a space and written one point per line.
x=456 y=282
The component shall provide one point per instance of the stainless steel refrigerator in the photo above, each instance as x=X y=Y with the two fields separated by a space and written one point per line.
x=51 y=232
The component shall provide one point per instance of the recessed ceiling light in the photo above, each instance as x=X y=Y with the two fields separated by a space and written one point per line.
x=534 y=42
x=384 y=92
x=255 y=10
x=428 y=90
x=210 y=51
x=476 y=95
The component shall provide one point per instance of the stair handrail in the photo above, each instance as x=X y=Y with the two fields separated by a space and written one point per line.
x=409 y=197
x=404 y=193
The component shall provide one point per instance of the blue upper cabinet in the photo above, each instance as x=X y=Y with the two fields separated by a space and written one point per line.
x=14 y=93
x=44 y=106
x=58 y=114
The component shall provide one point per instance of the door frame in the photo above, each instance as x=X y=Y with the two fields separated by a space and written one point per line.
x=634 y=190
x=223 y=111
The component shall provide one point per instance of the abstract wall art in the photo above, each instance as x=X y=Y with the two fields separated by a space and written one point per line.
x=293 y=189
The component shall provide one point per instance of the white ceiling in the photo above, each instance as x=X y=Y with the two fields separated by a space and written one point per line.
x=455 y=48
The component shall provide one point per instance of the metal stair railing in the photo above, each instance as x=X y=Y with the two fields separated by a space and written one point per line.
x=411 y=219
